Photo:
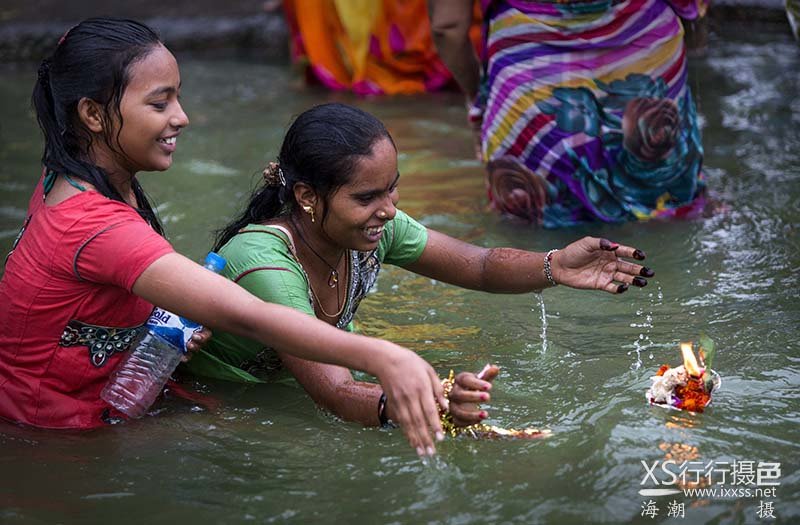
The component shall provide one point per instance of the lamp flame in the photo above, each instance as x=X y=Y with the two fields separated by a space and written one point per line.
x=689 y=361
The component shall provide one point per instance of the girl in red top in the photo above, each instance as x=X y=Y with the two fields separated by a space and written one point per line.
x=91 y=260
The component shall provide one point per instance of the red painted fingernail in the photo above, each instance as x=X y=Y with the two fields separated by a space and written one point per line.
x=484 y=397
x=483 y=414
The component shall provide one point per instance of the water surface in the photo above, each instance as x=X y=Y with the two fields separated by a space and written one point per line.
x=266 y=454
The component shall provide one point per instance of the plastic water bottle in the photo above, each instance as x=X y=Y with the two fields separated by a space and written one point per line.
x=143 y=372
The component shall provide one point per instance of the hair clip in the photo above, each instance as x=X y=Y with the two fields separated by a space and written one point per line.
x=64 y=36
x=273 y=175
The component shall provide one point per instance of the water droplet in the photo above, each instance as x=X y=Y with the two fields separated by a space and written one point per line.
x=543 y=335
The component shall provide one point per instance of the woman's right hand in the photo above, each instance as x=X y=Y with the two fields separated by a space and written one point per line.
x=413 y=389
x=469 y=390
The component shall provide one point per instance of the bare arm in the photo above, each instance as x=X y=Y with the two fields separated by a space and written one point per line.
x=333 y=388
x=177 y=284
x=588 y=263
x=450 y=23
x=497 y=270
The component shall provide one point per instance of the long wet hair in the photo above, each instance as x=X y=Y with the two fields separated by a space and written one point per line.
x=92 y=60
x=321 y=149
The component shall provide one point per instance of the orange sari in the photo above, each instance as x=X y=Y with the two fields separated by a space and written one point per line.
x=370 y=47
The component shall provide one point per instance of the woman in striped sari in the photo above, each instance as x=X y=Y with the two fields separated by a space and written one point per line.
x=582 y=107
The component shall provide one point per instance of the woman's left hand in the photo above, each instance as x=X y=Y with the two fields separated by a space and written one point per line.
x=196 y=343
x=595 y=264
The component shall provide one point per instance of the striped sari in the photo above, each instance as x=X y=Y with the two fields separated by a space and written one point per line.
x=586 y=113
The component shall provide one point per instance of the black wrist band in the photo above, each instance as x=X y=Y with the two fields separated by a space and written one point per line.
x=382 y=419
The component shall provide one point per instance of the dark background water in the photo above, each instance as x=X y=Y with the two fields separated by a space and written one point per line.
x=268 y=455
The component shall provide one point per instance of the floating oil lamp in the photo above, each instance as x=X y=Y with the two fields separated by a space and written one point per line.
x=689 y=386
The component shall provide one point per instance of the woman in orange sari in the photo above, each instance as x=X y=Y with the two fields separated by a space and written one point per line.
x=371 y=47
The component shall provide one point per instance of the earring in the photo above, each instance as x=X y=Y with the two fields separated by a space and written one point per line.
x=309 y=210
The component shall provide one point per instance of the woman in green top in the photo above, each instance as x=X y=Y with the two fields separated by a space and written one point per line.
x=314 y=236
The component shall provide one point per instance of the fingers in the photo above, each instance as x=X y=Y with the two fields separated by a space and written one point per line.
x=195 y=344
x=607 y=245
x=468 y=391
x=418 y=414
x=630 y=252
x=464 y=404
x=467 y=415
x=615 y=288
x=461 y=395
x=489 y=372
x=413 y=422
x=641 y=282
x=198 y=340
x=622 y=250
x=412 y=387
x=598 y=264
x=469 y=381
x=431 y=408
x=438 y=394
x=634 y=269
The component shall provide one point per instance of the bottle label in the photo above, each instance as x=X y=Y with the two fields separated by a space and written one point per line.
x=173 y=328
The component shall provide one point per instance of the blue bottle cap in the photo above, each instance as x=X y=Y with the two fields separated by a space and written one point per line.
x=214 y=262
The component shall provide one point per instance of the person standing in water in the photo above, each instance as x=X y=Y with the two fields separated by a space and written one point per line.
x=581 y=109
x=314 y=236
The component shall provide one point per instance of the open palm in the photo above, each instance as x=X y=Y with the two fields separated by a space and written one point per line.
x=596 y=264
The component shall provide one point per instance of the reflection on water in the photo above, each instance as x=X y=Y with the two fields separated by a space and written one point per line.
x=269 y=455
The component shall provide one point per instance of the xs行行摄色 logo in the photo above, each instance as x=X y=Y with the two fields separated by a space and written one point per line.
x=709 y=480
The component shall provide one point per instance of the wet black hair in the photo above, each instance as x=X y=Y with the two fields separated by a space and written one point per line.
x=92 y=60
x=321 y=149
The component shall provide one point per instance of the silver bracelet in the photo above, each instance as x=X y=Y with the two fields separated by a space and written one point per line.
x=548 y=270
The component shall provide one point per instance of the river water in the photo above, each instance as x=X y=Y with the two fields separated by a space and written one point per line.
x=577 y=363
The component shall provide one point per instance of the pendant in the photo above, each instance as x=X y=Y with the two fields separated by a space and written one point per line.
x=333 y=279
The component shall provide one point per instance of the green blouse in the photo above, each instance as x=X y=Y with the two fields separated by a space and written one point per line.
x=262 y=259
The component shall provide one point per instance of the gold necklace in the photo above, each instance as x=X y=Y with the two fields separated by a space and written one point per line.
x=319 y=303
x=333 y=278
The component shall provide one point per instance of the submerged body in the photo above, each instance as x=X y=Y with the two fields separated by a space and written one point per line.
x=314 y=238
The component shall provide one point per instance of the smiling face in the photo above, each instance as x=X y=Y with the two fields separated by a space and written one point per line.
x=358 y=210
x=152 y=116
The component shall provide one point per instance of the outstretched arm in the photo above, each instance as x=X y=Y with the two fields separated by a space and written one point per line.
x=177 y=284
x=450 y=23
x=333 y=388
x=588 y=263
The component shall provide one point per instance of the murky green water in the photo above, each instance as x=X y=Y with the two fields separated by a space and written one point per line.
x=268 y=455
